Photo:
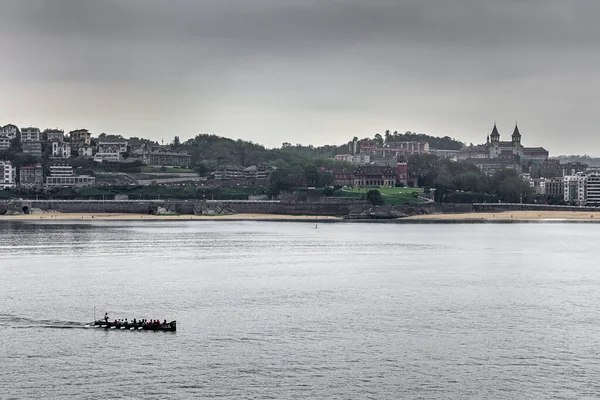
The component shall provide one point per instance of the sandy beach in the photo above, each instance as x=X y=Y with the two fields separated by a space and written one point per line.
x=124 y=216
x=512 y=216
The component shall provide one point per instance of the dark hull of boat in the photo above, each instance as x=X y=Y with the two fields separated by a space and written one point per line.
x=169 y=327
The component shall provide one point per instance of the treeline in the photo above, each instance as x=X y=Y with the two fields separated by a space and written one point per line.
x=584 y=159
x=439 y=143
x=461 y=182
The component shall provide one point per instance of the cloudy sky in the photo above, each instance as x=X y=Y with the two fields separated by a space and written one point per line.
x=307 y=71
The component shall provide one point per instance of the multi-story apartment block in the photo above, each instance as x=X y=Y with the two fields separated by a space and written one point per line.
x=31 y=141
x=4 y=142
x=228 y=172
x=592 y=190
x=80 y=138
x=53 y=135
x=10 y=130
x=30 y=134
x=61 y=169
x=165 y=158
x=257 y=172
x=33 y=148
x=8 y=174
x=555 y=187
x=31 y=176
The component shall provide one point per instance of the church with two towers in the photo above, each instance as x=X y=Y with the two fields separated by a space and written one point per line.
x=495 y=148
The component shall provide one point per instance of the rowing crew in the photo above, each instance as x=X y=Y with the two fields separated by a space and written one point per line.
x=141 y=322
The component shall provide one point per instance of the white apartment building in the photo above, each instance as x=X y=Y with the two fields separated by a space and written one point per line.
x=8 y=174
x=592 y=190
x=574 y=189
x=9 y=130
x=61 y=170
x=30 y=134
x=61 y=149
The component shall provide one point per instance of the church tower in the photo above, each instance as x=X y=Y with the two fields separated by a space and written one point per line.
x=516 y=136
x=495 y=136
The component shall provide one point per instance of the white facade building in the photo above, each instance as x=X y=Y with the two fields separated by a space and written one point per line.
x=110 y=151
x=8 y=174
x=61 y=170
x=592 y=189
x=86 y=151
x=61 y=150
x=575 y=189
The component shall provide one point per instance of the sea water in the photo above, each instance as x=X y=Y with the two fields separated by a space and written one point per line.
x=286 y=311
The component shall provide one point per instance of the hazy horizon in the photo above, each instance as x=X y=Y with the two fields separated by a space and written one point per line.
x=305 y=71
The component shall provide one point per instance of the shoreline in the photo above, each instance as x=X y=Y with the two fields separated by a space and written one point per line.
x=510 y=217
x=148 y=217
x=466 y=218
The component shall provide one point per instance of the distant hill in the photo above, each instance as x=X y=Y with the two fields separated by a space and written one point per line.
x=590 y=161
x=435 y=142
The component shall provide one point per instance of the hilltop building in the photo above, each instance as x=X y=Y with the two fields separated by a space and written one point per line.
x=53 y=135
x=111 y=150
x=369 y=151
x=166 y=158
x=8 y=174
x=80 y=138
x=496 y=154
x=11 y=131
x=61 y=149
x=31 y=141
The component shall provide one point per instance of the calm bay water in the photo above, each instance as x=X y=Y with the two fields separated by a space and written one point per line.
x=284 y=311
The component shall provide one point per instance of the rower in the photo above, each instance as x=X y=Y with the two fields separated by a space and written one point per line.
x=106 y=317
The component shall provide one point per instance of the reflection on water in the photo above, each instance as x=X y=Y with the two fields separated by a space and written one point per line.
x=281 y=310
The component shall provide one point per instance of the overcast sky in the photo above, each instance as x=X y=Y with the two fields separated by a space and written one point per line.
x=306 y=71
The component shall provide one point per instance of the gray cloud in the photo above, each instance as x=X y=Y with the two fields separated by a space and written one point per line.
x=304 y=71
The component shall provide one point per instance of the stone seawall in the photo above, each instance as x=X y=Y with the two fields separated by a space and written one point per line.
x=179 y=207
x=329 y=206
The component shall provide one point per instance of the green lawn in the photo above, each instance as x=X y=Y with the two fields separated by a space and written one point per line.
x=149 y=169
x=394 y=196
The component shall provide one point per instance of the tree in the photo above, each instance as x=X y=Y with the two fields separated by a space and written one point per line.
x=379 y=139
x=176 y=141
x=280 y=180
x=311 y=175
x=375 y=197
x=326 y=179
